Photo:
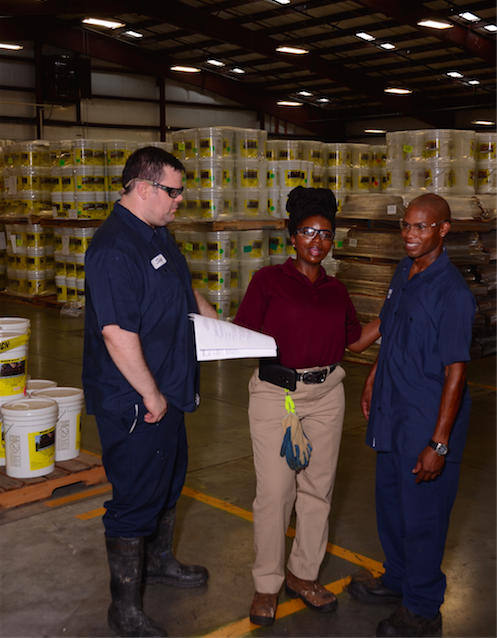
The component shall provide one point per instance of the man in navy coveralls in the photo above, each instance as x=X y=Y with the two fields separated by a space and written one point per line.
x=140 y=375
x=417 y=404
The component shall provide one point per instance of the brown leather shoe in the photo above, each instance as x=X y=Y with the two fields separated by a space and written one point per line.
x=263 y=609
x=311 y=592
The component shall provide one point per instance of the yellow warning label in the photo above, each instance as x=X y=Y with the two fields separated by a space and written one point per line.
x=14 y=342
x=12 y=376
x=41 y=449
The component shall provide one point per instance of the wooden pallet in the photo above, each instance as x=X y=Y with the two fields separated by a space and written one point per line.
x=86 y=468
x=43 y=301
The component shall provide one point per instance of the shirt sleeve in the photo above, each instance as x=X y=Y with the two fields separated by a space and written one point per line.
x=353 y=327
x=253 y=307
x=113 y=289
x=456 y=326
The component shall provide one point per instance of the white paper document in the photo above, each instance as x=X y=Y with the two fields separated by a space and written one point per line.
x=223 y=340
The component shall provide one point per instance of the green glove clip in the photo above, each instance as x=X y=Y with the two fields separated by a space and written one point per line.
x=296 y=446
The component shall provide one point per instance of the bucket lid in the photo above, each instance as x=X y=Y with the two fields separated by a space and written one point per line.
x=39 y=384
x=29 y=407
x=59 y=393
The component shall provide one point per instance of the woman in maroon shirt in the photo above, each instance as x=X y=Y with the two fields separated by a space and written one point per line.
x=313 y=320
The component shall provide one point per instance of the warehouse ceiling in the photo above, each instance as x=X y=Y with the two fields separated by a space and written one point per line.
x=343 y=76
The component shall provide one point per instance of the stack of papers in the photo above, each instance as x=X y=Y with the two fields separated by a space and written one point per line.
x=223 y=340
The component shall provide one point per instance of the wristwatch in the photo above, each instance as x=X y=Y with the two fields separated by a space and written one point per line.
x=440 y=448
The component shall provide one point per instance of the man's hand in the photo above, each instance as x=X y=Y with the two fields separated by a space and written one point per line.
x=429 y=465
x=156 y=405
x=367 y=391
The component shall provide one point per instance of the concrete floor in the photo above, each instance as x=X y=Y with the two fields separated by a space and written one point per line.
x=53 y=568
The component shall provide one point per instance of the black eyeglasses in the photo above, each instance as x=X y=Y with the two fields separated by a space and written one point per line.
x=172 y=192
x=309 y=233
x=420 y=228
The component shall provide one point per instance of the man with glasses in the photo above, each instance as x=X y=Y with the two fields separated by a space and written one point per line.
x=417 y=404
x=140 y=375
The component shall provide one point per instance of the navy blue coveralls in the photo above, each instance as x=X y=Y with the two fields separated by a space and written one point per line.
x=426 y=324
x=127 y=284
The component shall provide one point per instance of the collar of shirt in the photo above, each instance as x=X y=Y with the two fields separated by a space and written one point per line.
x=290 y=269
x=433 y=269
x=145 y=231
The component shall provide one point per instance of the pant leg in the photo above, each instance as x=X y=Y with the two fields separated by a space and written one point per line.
x=146 y=464
x=275 y=489
x=321 y=412
x=425 y=509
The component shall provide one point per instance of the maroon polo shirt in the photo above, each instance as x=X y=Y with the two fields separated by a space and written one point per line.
x=312 y=323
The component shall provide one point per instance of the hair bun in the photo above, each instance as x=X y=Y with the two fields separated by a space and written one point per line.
x=311 y=200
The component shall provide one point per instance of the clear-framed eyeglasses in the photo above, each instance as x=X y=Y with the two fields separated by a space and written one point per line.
x=420 y=228
x=309 y=233
x=172 y=192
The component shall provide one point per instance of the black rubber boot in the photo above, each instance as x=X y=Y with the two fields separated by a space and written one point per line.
x=126 y=616
x=160 y=564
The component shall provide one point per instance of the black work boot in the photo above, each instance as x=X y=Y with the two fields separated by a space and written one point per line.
x=160 y=564
x=126 y=616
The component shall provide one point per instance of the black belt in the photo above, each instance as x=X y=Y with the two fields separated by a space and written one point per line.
x=315 y=376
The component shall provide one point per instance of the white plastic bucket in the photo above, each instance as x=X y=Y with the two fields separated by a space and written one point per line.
x=250 y=143
x=248 y=270
x=313 y=151
x=360 y=155
x=68 y=428
x=16 y=324
x=210 y=173
x=337 y=154
x=252 y=245
x=273 y=202
x=221 y=302
x=211 y=202
x=196 y=245
x=290 y=173
x=360 y=179
x=252 y=202
x=218 y=245
x=277 y=241
x=486 y=145
x=29 y=430
x=438 y=143
x=395 y=144
x=210 y=142
x=218 y=275
x=39 y=384
x=437 y=175
x=339 y=178
x=13 y=362
x=290 y=150
x=462 y=177
x=463 y=145
x=487 y=177
x=414 y=175
x=250 y=173
x=198 y=271
x=228 y=173
x=272 y=174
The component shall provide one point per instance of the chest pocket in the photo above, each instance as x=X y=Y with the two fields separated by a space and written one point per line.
x=412 y=335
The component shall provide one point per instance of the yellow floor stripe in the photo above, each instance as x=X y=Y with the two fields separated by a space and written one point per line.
x=244 y=626
x=80 y=496
x=86 y=516
x=480 y=385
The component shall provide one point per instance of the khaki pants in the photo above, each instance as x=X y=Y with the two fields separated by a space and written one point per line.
x=320 y=408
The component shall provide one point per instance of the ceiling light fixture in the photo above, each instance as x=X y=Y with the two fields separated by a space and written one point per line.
x=305 y=93
x=470 y=17
x=323 y=99
x=215 y=62
x=238 y=70
x=435 y=24
x=388 y=46
x=474 y=82
x=374 y=130
x=397 y=90
x=483 y=122
x=293 y=50
x=288 y=103
x=454 y=74
x=11 y=47
x=365 y=36
x=134 y=34
x=185 y=69
x=491 y=27
x=282 y=1
x=108 y=24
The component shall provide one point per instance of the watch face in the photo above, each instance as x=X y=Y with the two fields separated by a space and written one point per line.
x=442 y=449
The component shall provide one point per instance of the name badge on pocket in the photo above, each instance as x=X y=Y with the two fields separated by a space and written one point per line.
x=158 y=261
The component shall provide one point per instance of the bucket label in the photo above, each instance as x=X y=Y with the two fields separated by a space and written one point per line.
x=12 y=376
x=2 y=441
x=41 y=449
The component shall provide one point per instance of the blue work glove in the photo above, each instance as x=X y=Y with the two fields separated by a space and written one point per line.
x=296 y=446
